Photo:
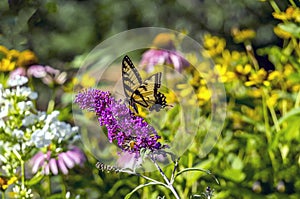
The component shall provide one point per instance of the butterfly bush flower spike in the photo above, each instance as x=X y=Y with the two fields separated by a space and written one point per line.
x=131 y=133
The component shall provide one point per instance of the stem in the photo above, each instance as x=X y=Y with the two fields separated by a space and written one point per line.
x=292 y=3
x=22 y=164
x=48 y=184
x=274 y=6
x=297 y=102
x=23 y=173
x=268 y=131
x=3 y=195
x=63 y=187
x=250 y=53
x=174 y=170
x=169 y=185
x=274 y=118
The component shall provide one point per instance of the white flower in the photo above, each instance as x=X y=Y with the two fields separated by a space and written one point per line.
x=26 y=92
x=61 y=130
x=2 y=123
x=21 y=106
x=42 y=137
x=41 y=116
x=52 y=117
x=29 y=119
x=4 y=110
x=18 y=133
x=22 y=191
x=17 y=81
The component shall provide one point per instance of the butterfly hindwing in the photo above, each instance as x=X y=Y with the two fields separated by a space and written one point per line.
x=145 y=93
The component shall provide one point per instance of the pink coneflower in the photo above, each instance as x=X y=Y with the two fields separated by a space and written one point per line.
x=61 y=162
x=154 y=57
x=50 y=76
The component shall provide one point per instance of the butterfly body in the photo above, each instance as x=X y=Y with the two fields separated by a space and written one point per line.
x=145 y=93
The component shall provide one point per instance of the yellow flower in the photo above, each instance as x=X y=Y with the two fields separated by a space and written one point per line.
x=223 y=74
x=171 y=97
x=203 y=95
x=274 y=75
x=4 y=183
x=289 y=14
x=254 y=92
x=288 y=69
x=7 y=65
x=213 y=45
x=3 y=50
x=272 y=100
x=296 y=88
x=164 y=40
x=240 y=36
x=258 y=78
x=13 y=54
x=243 y=70
x=26 y=58
x=296 y=15
x=281 y=33
x=86 y=81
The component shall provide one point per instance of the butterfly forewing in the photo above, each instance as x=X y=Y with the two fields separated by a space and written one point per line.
x=131 y=77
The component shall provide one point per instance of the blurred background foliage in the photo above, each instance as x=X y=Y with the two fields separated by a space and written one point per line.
x=59 y=30
x=258 y=154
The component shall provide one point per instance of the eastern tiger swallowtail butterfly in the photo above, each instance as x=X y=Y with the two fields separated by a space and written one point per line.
x=144 y=93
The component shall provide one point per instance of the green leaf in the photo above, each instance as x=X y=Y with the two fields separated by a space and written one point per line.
x=234 y=175
x=35 y=179
x=142 y=186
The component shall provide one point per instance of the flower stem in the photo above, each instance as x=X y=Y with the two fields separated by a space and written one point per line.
x=274 y=6
x=48 y=184
x=22 y=164
x=292 y=3
x=23 y=173
x=297 y=102
x=3 y=195
x=268 y=131
x=63 y=187
x=168 y=184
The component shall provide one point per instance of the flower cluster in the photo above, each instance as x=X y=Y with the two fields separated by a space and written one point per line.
x=131 y=133
x=10 y=59
x=47 y=74
x=24 y=130
x=27 y=125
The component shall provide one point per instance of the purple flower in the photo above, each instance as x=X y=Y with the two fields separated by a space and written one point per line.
x=154 y=57
x=131 y=133
x=60 y=162
x=37 y=71
x=17 y=72
x=49 y=75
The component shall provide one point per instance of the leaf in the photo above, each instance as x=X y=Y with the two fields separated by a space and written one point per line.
x=234 y=175
x=35 y=179
x=142 y=186
x=291 y=113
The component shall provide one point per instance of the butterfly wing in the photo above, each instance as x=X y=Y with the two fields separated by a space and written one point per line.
x=131 y=77
x=145 y=93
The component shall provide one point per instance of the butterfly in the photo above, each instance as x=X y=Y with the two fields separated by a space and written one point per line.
x=144 y=93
